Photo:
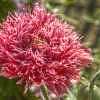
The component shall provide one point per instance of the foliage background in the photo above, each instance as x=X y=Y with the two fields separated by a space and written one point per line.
x=85 y=16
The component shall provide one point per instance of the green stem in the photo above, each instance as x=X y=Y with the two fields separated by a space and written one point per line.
x=44 y=93
x=92 y=82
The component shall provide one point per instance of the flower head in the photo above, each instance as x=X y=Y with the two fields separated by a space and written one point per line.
x=38 y=48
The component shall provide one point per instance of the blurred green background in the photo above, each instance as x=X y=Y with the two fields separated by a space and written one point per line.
x=85 y=16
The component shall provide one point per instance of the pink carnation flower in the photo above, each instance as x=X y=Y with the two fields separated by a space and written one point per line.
x=38 y=48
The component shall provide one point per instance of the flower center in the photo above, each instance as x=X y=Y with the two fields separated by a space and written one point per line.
x=38 y=41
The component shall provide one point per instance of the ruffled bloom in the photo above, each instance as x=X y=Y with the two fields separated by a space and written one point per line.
x=38 y=48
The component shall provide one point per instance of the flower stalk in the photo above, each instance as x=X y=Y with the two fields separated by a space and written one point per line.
x=44 y=93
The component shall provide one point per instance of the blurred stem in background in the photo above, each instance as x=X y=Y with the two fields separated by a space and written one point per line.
x=91 y=5
x=92 y=83
x=20 y=5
